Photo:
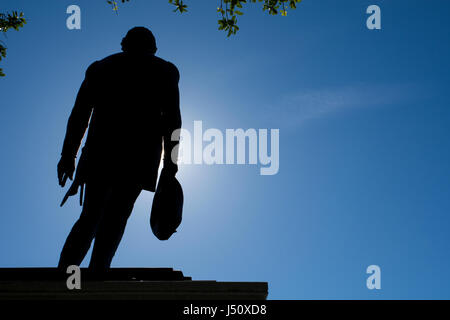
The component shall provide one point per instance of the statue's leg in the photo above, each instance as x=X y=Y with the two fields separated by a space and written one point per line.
x=112 y=226
x=80 y=237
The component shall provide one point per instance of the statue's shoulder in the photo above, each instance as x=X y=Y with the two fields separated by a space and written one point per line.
x=106 y=62
x=169 y=68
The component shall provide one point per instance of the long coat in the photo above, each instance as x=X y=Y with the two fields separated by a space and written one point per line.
x=130 y=101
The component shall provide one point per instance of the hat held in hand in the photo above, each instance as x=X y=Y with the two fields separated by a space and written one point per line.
x=167 y=207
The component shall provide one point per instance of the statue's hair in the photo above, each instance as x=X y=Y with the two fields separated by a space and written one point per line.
x=139 y=39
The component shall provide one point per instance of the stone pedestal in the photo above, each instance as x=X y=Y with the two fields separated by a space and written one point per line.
x=122 y=284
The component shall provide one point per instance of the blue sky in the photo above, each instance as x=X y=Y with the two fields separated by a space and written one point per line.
x=364 y=143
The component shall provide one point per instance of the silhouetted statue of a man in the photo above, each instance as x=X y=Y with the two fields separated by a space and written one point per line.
x=130 y=101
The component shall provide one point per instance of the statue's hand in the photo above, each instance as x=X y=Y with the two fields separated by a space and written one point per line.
x=73 y=190
x=169 y=170
x=66 y=168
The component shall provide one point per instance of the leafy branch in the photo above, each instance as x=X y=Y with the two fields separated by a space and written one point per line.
x=115 y=5
x=230 y=9
x=13 y=20
x=179 y=5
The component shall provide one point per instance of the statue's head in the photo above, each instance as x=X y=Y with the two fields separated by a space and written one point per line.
x=139 y=39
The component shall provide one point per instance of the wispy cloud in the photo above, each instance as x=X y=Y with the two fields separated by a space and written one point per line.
x=304 y=105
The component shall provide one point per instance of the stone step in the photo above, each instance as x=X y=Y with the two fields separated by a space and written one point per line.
x=122 y=284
